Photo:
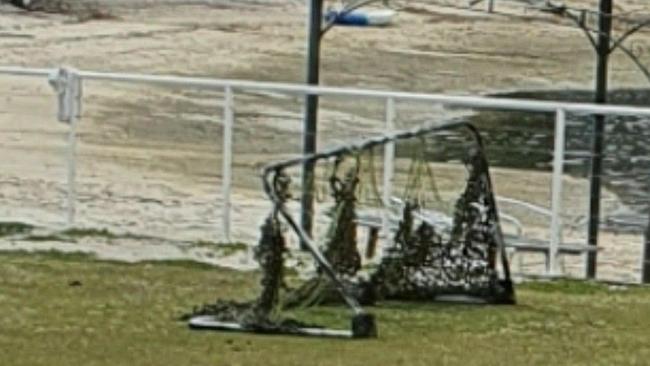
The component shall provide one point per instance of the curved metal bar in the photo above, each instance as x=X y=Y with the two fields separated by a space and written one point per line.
x=369 y=143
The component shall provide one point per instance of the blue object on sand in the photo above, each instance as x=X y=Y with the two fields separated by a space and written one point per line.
x=360 y=17
x=351 y=18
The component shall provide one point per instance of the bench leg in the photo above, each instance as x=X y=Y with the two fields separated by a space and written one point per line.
x=373 y=238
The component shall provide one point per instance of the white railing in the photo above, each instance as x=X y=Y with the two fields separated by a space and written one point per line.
x=68 y=84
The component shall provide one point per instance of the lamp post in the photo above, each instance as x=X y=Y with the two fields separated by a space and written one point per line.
x=310 y=126
x=603 y=50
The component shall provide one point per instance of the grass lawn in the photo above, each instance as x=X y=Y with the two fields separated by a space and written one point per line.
x=73 y=310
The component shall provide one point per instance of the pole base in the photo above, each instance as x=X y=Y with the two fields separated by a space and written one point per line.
x=364 y=326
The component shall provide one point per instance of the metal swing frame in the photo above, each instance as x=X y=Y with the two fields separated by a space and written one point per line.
x=271 y=170
x=362 y=323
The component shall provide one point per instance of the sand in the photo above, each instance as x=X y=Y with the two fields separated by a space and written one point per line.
x=150 y=157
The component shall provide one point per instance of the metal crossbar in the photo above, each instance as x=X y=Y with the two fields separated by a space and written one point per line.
x=301 y=89
x=70 y=100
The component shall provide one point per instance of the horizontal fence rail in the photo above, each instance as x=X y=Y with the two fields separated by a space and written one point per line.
x=68 y=85
x=300 y=89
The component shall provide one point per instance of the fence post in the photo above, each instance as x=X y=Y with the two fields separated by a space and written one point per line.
x=226 y=184
x=389 y=156
x=645 y=259
x=73 y=99
x=556 y=193
x=489 y=6
x=71 y=159
x=68 y=87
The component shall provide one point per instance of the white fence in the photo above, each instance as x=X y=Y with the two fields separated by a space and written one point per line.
x=68 y=86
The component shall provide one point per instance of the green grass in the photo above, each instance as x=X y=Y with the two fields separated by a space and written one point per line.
x=222 y=249
x=9 y=229
x=97 y=233
x=126 y=314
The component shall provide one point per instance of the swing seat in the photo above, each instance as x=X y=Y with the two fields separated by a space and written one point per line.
x=437 y=219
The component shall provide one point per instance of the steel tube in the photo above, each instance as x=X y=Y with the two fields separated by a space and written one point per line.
x=556 y=193
x=389 y=157
x=300 y=89
x=226 y=183
x=73 y=105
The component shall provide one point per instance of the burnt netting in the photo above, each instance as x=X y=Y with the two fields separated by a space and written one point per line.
x=438 y=229
x=265 y=314
x=434 y=236
x=431 y=261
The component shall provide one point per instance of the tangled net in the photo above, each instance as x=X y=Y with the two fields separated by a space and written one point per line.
x=263 y=314
x=422 y=265
x=425 y=262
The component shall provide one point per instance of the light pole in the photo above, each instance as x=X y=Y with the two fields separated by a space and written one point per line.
x=603 y=50
x=310 y=126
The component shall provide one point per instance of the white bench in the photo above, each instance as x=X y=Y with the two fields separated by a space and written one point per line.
x=514 y=243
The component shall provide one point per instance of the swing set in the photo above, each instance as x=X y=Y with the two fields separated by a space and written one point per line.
x=434 y=251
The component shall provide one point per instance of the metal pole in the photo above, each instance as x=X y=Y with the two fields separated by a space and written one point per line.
x=226 y=184
x=645 y=260
x=556 y=199
x=605 y=29
x=73 y=107
x=311 y=113
x=489 y=6
x=389 y=156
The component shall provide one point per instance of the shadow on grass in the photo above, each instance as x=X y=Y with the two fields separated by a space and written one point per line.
x=84 y=257
x=14 y=228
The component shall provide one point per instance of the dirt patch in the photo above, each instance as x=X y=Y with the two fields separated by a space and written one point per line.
x=149 y=158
